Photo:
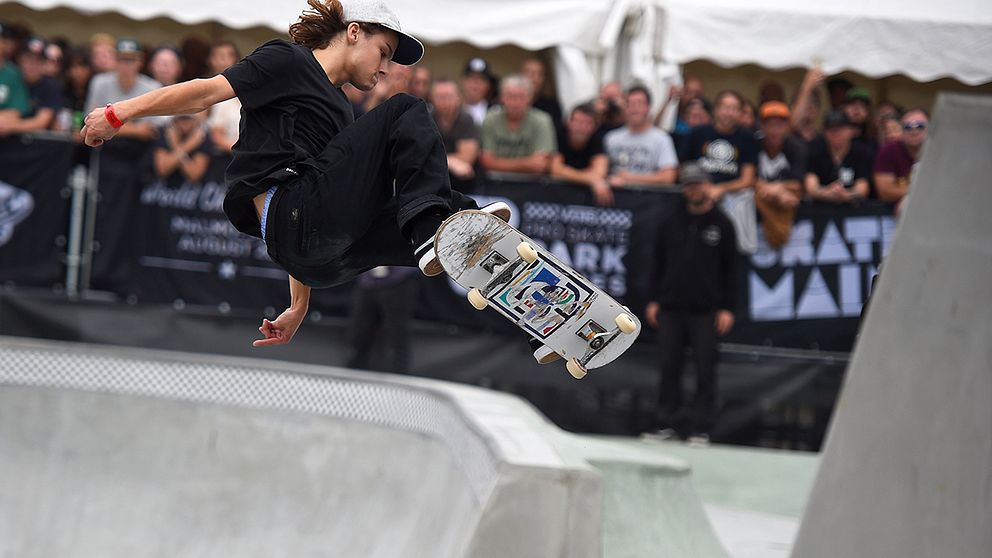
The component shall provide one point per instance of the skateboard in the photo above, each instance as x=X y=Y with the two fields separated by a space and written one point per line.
x=504 y=269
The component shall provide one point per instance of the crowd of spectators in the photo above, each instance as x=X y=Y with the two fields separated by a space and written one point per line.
x=765 y=155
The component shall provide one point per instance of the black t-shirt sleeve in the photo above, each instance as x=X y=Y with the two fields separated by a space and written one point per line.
x=465 y=128
x=264 y=75
x=692 y=147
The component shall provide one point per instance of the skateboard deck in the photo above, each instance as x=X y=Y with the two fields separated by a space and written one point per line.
x=507 y=271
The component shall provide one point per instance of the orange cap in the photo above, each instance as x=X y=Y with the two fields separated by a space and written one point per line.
x=774 y=109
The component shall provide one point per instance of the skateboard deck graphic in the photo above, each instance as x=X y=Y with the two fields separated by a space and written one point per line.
x=506 y=270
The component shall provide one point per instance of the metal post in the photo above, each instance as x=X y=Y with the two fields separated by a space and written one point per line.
x=77 y=184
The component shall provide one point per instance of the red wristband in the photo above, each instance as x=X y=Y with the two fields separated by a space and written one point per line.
x=108 y=112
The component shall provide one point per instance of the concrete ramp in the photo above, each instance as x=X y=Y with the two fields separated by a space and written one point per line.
x=907 y=466
x=109 y=453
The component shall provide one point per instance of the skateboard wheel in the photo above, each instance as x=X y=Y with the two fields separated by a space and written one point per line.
x=476 y=299
x=527 y=252
x=626 y=323
x=575 y=369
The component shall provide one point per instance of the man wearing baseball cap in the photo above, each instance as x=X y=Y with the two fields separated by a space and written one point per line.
x=838 y=169
x=693 y=276
x=124 y=82
x=781 y=167
x=330 y=196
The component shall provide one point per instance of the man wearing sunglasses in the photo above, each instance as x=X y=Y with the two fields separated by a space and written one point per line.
x=895 y=160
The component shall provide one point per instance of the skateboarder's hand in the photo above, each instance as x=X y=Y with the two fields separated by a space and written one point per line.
x=651 y=314
x=96 y=129
x=282 y=330
x=724 y=322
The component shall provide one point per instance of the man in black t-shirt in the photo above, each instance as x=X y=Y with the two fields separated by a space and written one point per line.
x=837 y=169
x=692 y=303
x=729 y=154
x=581 y=157
x=330 y=196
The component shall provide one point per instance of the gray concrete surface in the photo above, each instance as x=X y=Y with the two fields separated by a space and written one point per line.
x=110 y=452
x=907 y=465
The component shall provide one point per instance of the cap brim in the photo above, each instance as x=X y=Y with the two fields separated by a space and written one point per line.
x=409 y=51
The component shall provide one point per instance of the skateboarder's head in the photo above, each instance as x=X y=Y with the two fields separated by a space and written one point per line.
x=365 y=33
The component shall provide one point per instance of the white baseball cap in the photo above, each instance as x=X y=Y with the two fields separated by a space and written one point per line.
x=409 y=50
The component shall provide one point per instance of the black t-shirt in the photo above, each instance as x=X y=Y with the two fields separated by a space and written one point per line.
x=789 y=164
x=856 y=164
x=45 y=93
x=580 y=158
x=290 y=111
x=694 y=263
x=721 y=155
x=464 y=128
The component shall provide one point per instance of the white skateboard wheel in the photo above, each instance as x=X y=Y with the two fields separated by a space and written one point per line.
x=527 y=252
x=476 y=299
x=575 y=369
x=626 y=323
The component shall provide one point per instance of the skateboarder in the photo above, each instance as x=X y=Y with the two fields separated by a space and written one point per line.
x=331 y=196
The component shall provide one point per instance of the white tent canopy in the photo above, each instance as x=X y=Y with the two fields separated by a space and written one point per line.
x=645 y=40
x=922 y=39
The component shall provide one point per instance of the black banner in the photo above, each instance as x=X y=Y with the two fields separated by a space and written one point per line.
x=168 y=241
x=34 y=209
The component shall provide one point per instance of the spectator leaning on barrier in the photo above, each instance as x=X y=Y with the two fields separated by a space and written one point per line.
x=895 y=160
x=44 y=93
x=639 y=152
x=515 y=136
x=477 y=84
x=693 y=275
x=837 y=169
x=458 y=131
x=123 y=83
x=183 y=150
x=781 y=167
x=225 y=117
x=76 y=80
x=14 y=99
x=581 y=157
x=729 y=154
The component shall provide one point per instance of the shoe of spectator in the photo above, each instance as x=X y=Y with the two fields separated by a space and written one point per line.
x=661 y=435
x=699 y=440
x=427 y=258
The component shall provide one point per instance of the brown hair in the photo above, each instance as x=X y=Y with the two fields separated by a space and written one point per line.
x=322 y=22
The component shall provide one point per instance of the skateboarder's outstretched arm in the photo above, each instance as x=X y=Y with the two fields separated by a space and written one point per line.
x=282 y=330
x=189 y=97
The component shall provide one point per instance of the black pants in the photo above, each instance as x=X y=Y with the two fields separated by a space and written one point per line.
x=346 y=212
x=676 y=331
x=380 y=321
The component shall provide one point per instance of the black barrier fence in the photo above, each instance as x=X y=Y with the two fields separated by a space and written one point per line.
x=168 y=241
